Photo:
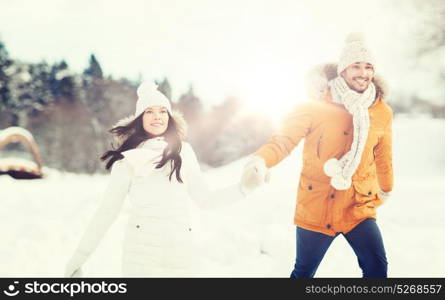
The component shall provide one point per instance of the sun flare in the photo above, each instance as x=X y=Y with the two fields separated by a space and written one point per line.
x=272 y=92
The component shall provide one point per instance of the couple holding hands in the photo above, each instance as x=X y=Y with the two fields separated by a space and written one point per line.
x=346 y=175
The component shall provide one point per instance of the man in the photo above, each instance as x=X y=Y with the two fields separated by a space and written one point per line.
x=347 y=161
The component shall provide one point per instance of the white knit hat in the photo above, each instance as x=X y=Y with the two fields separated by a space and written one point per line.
x=148 y=95
x=355 y=50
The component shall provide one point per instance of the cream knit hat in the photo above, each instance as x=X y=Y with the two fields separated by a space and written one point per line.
x=148 y=95
x=355 y=50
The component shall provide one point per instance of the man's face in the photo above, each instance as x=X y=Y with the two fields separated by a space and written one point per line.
x=358 y=76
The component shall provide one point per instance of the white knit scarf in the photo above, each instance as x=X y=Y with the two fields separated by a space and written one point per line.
x=357 y=104
x=146 y=156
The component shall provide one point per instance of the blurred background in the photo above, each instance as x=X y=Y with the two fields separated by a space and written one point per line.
x=69 y=71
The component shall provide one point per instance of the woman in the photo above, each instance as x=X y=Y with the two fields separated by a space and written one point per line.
x=160 y=174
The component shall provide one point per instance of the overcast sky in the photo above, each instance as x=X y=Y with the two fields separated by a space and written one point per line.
x=243 y=48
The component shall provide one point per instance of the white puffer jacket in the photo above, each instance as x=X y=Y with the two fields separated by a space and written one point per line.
x=158 y=239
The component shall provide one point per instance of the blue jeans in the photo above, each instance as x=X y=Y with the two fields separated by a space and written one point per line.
x=365 y=239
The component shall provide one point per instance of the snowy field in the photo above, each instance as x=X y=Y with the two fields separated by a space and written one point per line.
x=41 y=221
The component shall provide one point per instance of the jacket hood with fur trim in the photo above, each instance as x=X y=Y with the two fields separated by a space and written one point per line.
x=318 y=77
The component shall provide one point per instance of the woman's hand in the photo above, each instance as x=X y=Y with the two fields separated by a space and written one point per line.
x=73 y=268
x=76 y=274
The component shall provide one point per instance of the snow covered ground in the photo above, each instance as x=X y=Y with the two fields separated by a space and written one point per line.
x=41 y=221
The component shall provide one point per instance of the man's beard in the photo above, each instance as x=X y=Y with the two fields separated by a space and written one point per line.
x=363 y=88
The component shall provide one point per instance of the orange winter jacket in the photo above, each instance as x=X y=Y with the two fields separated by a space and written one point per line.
x=328 y=132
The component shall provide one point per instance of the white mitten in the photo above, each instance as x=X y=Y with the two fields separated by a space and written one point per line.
x=255 y=174
x=73 y=267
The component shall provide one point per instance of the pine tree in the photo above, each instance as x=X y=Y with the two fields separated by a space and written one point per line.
x=192 y=109
x=62 y=82
x=41 y=91
x=93 y=86
x=20 y=100
x=97 y=105
x=93 y=72
x=5 y=64
x=165 y=88
x=190 y=106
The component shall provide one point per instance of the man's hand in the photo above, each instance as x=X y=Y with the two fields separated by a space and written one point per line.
x=255 y=174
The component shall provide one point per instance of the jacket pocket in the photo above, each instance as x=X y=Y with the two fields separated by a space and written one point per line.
x=366 y=199
x=311 y=201
x=365 y=190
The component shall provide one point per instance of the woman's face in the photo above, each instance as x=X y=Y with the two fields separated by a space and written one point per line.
x=155 y=120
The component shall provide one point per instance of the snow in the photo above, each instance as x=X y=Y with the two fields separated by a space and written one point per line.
x=14 y=163
x=63 y=73
x=42 y=220
x=15 y=130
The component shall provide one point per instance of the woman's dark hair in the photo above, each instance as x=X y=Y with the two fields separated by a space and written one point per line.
x=136 y=134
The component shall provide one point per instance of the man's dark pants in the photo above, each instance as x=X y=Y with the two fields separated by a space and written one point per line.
x=365 y=239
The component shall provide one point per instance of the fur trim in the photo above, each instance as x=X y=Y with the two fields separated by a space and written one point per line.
x=176 y=115
x=182 y=124
x=124 y=121
x=318 y=77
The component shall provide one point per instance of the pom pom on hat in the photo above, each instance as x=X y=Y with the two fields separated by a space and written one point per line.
x=355 y=50
x=148 y=95
x=355 y=37
x=147 y=88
